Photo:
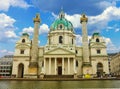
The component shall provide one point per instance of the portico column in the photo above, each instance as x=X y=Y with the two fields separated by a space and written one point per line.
x=63 y=66
x=74 y=65
x=68 y=65
x=55 y=65
x=49 y=65
x=44 y=65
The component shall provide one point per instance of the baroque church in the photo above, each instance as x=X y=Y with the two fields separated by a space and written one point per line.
x=60 y=56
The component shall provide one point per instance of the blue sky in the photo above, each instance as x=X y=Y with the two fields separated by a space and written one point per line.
x=16 y=17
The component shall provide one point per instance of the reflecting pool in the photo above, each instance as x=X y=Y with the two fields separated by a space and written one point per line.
x=59 y=84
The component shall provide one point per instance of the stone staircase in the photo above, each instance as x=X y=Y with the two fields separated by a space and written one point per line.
x=59 y=76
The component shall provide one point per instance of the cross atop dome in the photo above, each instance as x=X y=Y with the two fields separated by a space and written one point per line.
x=61 y=14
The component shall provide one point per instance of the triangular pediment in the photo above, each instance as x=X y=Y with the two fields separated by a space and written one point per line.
x=60 y=51
x=22 y=46
x=98 y=45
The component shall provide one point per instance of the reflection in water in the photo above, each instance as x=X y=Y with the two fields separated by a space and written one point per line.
x=59 y=84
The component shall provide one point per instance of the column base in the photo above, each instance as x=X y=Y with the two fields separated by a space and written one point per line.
x=87 y=70
x=75 y=75
x=33 y=70
x=41 y=75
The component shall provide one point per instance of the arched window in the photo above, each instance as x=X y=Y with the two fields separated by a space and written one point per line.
x=60 y=39
x=23 y=40
x=97 y=40
x=61 y=26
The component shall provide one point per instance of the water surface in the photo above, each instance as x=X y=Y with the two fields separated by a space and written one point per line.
x=60 y=84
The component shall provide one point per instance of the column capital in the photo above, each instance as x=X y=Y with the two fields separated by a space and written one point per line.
x=37 y=18
x=63 y=58
x=83 y=18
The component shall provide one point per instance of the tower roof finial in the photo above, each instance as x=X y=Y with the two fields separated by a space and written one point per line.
x=61 y=8
x=62 y=14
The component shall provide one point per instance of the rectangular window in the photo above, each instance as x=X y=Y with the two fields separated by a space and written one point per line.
x=21 y=51
x=98 y=51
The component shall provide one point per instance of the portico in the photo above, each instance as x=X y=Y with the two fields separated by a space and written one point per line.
x=59 y=65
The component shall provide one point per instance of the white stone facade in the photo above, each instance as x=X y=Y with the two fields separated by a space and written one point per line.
x=61 y=56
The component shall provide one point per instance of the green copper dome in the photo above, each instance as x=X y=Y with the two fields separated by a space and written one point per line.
x=96 y=34
x=25 y=34
x=61 y=23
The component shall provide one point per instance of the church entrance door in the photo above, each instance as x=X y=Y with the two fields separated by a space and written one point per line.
x=59 y=70
x=99 y=70
x=20 y=70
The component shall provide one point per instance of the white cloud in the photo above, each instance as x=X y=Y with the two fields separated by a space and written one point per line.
x=54 y=15
x=105 y=4
x=75 y=19
x=98 y=22
x=6 y=4
x=6 y=21
x=101 y=21
x=43 y=29
x=28 y=30
x=39 y=42
x=109 y=28
x=111 y=48
x=7 y=28
x=5 y=52
x=10 y=34
x=107 y=40
x=117 y=29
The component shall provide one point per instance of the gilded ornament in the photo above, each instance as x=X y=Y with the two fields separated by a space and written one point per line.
x=37 y=18
x=83 y=18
